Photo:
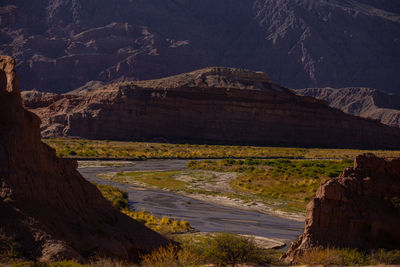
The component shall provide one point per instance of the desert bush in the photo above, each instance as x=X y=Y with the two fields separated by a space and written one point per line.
x=171 y=256
x=349 y=257
x=9 y=247
x=333 y=256
x=65 y=263
x=383 y=256
x=108 y=262
x=228 y=249
x=117 y=197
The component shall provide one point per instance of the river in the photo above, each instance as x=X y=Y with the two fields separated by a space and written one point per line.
x=203 y=216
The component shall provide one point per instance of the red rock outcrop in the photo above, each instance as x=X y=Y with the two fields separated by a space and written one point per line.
x=209 y=105
x=359 y=209
x=46 y=207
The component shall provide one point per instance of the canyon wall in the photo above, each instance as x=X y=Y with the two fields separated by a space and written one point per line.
x=48 y=210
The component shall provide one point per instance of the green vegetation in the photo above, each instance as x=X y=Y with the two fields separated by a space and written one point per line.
x=229 y=249
x=9 y=247
x=81 y=148
x=188 y=181
x=287 y=185
x=115 y=195
x=163 y=225
x=160 y=179
x=221 y=249
x=45 y=264
x=291 y=182
x=224 y=249
x=349 y=257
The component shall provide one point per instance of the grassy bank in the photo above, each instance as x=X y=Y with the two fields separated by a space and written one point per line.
x=187 y=181
x=163 y=225
x=291 y=182
x=81 y=148
x=285 y=185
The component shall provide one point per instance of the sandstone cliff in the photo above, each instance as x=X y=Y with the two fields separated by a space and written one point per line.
x=209 y=105
x=62 y=44
x=46 y=207
x=363 y=102
x=359 y=209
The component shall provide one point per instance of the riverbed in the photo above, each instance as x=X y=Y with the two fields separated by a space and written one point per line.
x=203 y=216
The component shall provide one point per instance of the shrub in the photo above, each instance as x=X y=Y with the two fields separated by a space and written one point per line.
x=227 y=248
x=171 y=256
x=9 y=248
x=333 y=256
x=383 y=256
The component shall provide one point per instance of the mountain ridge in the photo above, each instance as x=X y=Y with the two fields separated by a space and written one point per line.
x=217 y=105
x=61 y=45
x=363 y=102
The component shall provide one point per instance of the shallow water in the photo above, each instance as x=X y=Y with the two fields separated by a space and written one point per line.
x=203 y=216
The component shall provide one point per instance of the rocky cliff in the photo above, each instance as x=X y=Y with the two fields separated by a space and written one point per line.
x=209 y=105
x=359 y=209
x=363 y=102
x=62 y=44
x=48 y=211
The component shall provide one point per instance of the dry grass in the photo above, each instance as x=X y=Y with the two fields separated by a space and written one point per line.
x=349 y=257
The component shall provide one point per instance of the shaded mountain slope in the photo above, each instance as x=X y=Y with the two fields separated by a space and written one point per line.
x=62 y=44
x=209 y=105
x=48 y=210
x=363 y=102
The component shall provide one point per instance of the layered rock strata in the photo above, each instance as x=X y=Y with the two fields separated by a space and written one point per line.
x=359 y=209
x=358 y=101
x=47 y=210
x=219 y=105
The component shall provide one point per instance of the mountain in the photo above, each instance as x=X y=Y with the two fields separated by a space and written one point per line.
x=217 y=105
x=363 y=102
x=61 y=45
x=48 y=210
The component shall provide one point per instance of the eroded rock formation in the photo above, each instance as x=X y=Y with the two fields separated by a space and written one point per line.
x=363 y=102
x=46 y=208
x=209 y=105
x=359 y=209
